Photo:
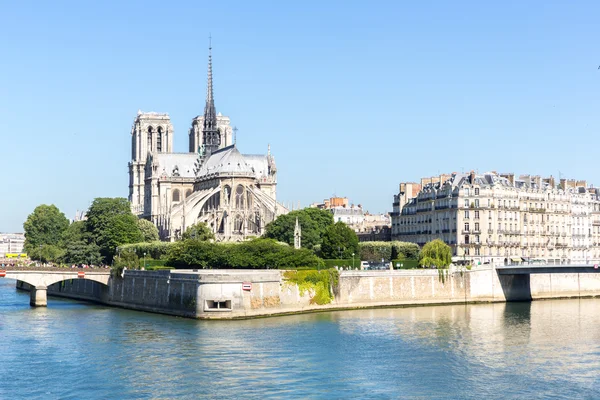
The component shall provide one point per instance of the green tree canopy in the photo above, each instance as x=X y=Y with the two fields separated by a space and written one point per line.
x=110 y=224
x=148 y=229
x=47 y=253
x=313 y=223
x=45 y=226
x=198 y=231
x=82 y=252
x=435 y=254
x=339 y=241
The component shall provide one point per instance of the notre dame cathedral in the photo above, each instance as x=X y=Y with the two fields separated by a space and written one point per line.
x=233 y=193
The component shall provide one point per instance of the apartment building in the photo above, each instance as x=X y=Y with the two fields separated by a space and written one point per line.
x=498 y=218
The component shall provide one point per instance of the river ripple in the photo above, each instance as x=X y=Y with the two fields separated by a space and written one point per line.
x=73 y=350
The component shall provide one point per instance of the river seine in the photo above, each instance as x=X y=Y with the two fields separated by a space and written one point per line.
x=73 y=350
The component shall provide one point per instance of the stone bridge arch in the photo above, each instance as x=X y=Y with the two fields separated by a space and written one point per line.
x=40 y=280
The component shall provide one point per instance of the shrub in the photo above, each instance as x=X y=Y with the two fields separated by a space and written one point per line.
x=254 y=254
x=155 y=250
x=320 y=282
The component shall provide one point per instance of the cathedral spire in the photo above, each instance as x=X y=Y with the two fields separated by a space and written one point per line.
x=211 y=137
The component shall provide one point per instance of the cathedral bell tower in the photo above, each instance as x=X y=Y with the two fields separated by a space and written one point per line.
x=211 y=136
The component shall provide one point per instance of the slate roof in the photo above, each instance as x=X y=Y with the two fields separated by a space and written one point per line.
x=168 y=161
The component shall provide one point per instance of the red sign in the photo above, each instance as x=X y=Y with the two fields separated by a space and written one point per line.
x=2 y=273
x=247 y=286
x=81 y=274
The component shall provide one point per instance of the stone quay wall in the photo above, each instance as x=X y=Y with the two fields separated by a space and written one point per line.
x=226 y=294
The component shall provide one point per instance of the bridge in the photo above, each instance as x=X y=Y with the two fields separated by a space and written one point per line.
x=39 y=280
x=547 y=269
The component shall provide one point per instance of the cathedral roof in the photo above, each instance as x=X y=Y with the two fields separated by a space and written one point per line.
x=227 y=160
x=175 y=164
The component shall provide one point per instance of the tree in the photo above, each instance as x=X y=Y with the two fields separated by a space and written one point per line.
x=44 y=226
x=110 y=223
x=339 y=241
x=435 y=254
x=81 y=252
x=148 y=229
x=198 y=231
x=47 y=253
x=313 y=222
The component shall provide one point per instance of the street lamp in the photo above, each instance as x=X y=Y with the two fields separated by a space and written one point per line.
x=144 y=260
x=352 y=260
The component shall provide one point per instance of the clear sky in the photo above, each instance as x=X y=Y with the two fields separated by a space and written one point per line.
x=353 y=96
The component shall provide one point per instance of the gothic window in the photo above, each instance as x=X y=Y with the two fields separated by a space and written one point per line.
x=239 y=197
x=238 y=224
x=133 y=147
x=149 y=138
x=159 y=139
x=175 y=196
x=226 y=194
x=188 y=193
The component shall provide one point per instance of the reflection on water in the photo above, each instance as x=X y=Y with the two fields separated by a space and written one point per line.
x=75 y=350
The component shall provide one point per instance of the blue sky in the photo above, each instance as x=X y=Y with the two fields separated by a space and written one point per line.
x=353 y=96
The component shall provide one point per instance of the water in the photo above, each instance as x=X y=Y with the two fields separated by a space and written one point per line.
x=73 y=350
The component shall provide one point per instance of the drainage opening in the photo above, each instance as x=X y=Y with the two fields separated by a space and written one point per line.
x=216 y=305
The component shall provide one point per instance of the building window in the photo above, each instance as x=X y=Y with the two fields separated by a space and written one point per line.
x=476 y=191
x=149 y=138
x=467 y=214
x=477 y=226
x=476 y=203
x=175 y=195
x=466 y=239
x=466 y=227
x=466 y=191
x=159 y=140
x=477 y=214
x=476 y=251
x=467 y=203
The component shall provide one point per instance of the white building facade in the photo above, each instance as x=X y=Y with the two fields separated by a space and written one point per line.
x=497 y=219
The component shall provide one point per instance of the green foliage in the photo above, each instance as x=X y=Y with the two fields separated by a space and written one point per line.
x=375 y=251
x=313 y=223
x=339 y=241
x=198 y=231
x=111 y=224
x=320 y=283
x=45 y=226
x=82 y=252
x=402 y=250
x=435 y=253
x=46 y=253
x=148 y=229
x=254 y=254
x=331 y=263
x=74 y=233
x=155 y=250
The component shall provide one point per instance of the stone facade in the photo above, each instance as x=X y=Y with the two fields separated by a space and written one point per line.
x=233 y=193
x=498 y=218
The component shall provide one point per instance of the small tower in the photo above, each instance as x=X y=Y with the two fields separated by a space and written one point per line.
x=297 y=235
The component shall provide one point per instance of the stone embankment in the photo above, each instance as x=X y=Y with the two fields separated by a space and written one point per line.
x=227 y=294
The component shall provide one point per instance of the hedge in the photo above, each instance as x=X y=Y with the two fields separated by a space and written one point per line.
x=375 y=251
x=253 y=254
x=331 y=263
x=154 y=250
